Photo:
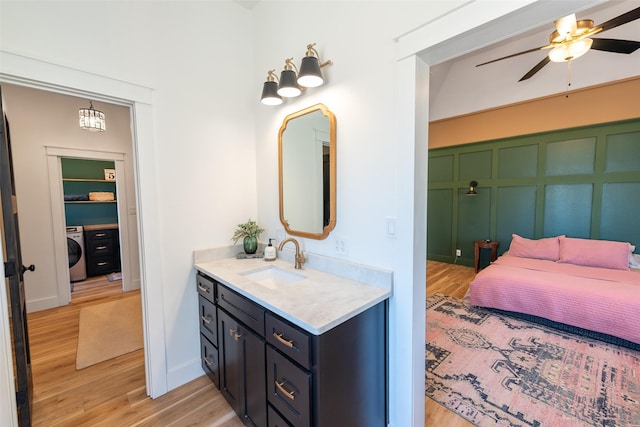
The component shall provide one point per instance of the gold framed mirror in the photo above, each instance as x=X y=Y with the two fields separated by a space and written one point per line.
x=307 y=172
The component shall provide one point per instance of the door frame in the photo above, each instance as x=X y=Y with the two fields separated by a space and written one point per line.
x=54 y=163
x=25 y=71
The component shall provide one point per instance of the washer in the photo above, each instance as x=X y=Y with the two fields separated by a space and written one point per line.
x=75 y=248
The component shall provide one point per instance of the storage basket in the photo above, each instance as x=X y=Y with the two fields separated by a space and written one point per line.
x=101 y=196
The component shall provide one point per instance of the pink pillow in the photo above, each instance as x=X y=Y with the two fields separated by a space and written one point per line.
x=595 y=253
x=547 y=248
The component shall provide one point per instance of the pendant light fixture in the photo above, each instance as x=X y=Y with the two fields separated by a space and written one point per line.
x=292 y=81
x=92 y=119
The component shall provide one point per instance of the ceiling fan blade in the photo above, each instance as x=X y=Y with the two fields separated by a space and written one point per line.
x=515 y=54
x=535 y=69
x=615 y=45
x=632 y=15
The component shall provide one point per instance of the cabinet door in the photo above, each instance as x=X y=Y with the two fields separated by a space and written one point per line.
x=242 y=375
x=230 y=360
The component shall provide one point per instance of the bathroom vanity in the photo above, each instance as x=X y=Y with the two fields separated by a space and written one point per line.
x=290 y=347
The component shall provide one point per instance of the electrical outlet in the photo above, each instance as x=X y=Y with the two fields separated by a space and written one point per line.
x=458 y=252
x=341 y=246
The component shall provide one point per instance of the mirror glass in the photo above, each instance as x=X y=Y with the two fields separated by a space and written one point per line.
x=307 y=169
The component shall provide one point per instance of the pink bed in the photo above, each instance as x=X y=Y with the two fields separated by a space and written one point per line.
x=603 y=300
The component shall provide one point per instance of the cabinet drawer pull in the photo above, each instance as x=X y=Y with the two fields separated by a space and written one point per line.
x=208 y=362
x=288 y=394
x=203 y=288
x=100 y=234
x=100 y=247
x=103 y=263
x=206 y=319
x=236 y=336
x=286 y=342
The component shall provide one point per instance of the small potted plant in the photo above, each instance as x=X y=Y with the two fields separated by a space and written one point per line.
x=249 y=233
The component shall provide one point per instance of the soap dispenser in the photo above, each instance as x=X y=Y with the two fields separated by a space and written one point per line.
x=270 y=252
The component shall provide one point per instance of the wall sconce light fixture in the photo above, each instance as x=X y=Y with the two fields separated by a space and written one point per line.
x=92 y=119
x=472 y=188
x=270 y=90
x=294 y=81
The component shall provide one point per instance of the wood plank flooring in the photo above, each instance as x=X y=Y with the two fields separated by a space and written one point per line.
x=111 y=393
x=451 y=280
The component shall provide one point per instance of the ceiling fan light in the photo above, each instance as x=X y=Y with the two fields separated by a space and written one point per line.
x=570 y=50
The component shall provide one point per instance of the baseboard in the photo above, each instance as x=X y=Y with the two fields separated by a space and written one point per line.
x=42 y=304
x=184 y=373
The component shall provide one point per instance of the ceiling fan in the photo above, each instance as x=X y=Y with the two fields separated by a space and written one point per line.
x=572 y=39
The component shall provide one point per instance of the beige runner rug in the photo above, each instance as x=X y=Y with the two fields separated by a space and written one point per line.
x=109 y=330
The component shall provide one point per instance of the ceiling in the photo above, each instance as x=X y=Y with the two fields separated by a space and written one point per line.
x=454 y=78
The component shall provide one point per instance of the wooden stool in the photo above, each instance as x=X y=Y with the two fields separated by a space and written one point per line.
x=484 y=244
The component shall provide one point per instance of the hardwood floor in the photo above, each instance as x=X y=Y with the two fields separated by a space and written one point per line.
x=111 y=393
x=451 y=280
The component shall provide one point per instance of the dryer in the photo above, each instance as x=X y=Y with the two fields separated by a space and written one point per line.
x=75 y=247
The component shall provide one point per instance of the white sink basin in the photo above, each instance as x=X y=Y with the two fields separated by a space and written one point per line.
x=271 y=276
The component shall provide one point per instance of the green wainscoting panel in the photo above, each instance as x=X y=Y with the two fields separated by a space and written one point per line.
x=567 y=210
x=581 y=182
x=516 y=213
x=440 y=214
x=518 y=162
x=620 y=219
x=441 y=169
x=573 y=157
x=623 y=152
x=474 y=218
x=475 y=165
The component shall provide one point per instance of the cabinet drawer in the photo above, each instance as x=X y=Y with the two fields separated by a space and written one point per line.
x=102 y=265
x=100 y=247
x=275 y=420
x=243 y=309
x=289 y=389
x=100 y=234
x=208 y=323
x=289 y=339
x=209 y=355
x=206 y=287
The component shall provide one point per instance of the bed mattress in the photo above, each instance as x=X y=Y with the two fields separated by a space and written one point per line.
x=597 y=299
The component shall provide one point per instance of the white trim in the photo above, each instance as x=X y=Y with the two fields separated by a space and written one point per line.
x=25 y=71
x=54 y=155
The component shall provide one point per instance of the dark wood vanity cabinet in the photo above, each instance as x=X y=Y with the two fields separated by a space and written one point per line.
x=208 y=328
x=102 y=249
x=276 y=374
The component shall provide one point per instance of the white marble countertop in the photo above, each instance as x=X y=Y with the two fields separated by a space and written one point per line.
x=317 y=303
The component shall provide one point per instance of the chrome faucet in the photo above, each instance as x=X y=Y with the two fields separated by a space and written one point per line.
x=299 y=258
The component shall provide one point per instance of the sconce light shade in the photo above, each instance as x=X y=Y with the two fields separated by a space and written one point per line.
x=472 y=188
x=310 y=74
x=288 y=86
x=92 y=119
x=270 y=94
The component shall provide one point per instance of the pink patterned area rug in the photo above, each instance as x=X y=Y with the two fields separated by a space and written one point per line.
x=495 y=370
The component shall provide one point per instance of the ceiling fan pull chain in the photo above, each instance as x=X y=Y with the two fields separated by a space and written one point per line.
x=568 y=77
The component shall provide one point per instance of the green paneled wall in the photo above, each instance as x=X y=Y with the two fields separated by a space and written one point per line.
x=582 y=182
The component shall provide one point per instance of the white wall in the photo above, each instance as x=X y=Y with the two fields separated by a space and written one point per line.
x=359 y=90
x=196 y=56
x=39 y=119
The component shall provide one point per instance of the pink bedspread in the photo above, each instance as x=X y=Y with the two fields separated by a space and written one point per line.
x=597 y=299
